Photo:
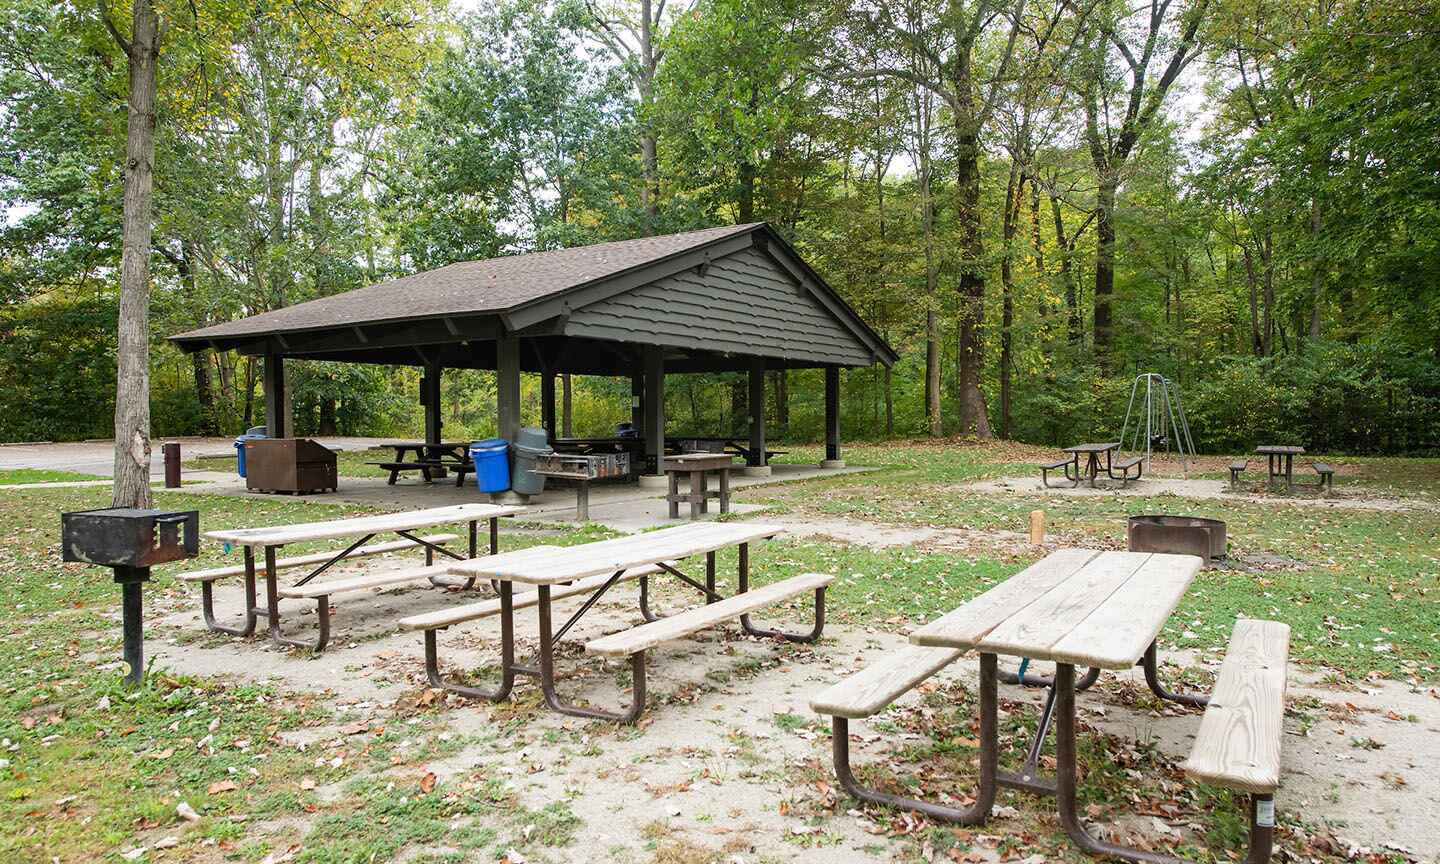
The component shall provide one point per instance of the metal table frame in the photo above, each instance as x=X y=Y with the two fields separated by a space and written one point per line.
x=542 y=666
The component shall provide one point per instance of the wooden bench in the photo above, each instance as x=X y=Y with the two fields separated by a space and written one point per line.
x=1236 y=469
x=395 y=469
x=1327 y=474
x=1066 y=464
x=208 y=578
x=1124 y=466
x=1238 y=745
x=865 y=694
x=291 y=563
x=582 y=489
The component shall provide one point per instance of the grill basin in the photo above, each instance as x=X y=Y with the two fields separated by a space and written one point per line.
x=129 y=541
x=1182 y=535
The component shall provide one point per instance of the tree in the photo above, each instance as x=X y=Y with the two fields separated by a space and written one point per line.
x=132 y=350
x=1110 y=146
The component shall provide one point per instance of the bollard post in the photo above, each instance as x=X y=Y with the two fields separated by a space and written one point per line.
x=172 y=464
x=1037 y=527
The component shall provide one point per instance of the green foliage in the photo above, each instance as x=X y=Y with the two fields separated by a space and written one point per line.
x=49 y=394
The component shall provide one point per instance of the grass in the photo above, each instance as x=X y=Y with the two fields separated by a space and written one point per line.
x=89 y=769
x=10 y=476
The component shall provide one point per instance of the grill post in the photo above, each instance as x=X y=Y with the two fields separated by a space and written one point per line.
x=130 y=579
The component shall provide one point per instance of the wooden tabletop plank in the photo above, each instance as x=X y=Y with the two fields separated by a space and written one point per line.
x=1032 y=631
x=608 y=556
x=280 y=535
x=967 y=625
x=1116 y=634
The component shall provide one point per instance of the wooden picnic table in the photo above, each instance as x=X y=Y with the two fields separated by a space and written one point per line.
x=1075 y=607
x=271 y=539
x=1276 y=455
x=698 y=466
x=1092 y=453
x=604 y=564
x=431 y=460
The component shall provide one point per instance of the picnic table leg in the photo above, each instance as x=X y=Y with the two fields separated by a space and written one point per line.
x=1289 y=473
x=1065 y=777
x=507 y=655
x=697 y=482
x=704 y=478
x=710 y=576
x=674 y=496
x=547 y=673
x=724 y=490
x=1152 y=678
x=207 y=601
x=582 y=501
x=272 y=605
x=748 y=627
x=977 y=812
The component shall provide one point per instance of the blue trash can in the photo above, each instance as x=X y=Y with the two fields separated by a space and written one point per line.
x=251 y=434
x=492 y=464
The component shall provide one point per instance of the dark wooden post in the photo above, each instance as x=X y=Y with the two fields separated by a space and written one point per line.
x=637 y=403
x=756 y=459
x=832 y=418
x=547 y=403
x=655 y=409
x=274 y=384
x=430 y=396
x=507 y=387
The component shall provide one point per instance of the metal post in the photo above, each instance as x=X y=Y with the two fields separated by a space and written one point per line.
x=172 y=464
x=274 y=384
x=756 y=458
x=134 y=622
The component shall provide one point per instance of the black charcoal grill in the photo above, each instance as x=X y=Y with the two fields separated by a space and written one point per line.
x=130 y=541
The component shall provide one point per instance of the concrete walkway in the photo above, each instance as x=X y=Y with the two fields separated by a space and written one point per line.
x=98 y=457
x=622 y=507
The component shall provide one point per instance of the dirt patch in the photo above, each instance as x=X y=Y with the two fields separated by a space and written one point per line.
x=729 y=761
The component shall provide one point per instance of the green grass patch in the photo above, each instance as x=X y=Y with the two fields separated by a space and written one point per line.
x=10 y=476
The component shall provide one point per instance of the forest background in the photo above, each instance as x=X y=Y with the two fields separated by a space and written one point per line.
x=1032 y=200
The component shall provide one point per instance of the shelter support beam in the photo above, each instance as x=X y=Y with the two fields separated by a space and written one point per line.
x=654 y=406
x=757 y=459
x=547 y=403
x=832 y=416
x=274 y=384
x=507 y=387
x=430 y=396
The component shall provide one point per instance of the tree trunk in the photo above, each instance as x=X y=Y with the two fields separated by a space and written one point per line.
x=1104 y=266
x=204 y=393
x=327 y=425
x=1007 y=294
x=1073 y=329
x=132 y=380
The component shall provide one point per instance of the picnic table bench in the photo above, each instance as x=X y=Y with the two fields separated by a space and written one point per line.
x=1236 y=469
x=1104 y=610
x=271 y=539
x=595 y=568
x=1280 y=462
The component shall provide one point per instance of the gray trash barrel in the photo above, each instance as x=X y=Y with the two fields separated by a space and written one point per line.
x=530 y=444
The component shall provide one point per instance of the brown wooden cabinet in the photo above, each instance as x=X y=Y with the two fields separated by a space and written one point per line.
x=293 y=465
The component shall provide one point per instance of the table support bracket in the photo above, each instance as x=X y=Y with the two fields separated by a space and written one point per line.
x=207 y=601
x=508 y=667
x=1152 y=678
x=750 y=628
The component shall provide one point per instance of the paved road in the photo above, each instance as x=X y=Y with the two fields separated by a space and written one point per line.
x=98 y=457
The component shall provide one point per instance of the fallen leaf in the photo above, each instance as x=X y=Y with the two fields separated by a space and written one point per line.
x=222 y=786
x=427 y=783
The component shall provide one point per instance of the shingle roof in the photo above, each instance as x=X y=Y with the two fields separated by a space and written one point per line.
x=492 y=286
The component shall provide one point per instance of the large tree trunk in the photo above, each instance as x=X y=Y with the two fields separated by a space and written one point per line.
x=327 y=424
x=974 y=417
x=1104 y=266
x=132 y=380
x=1007 y=285
x=1073 y=329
